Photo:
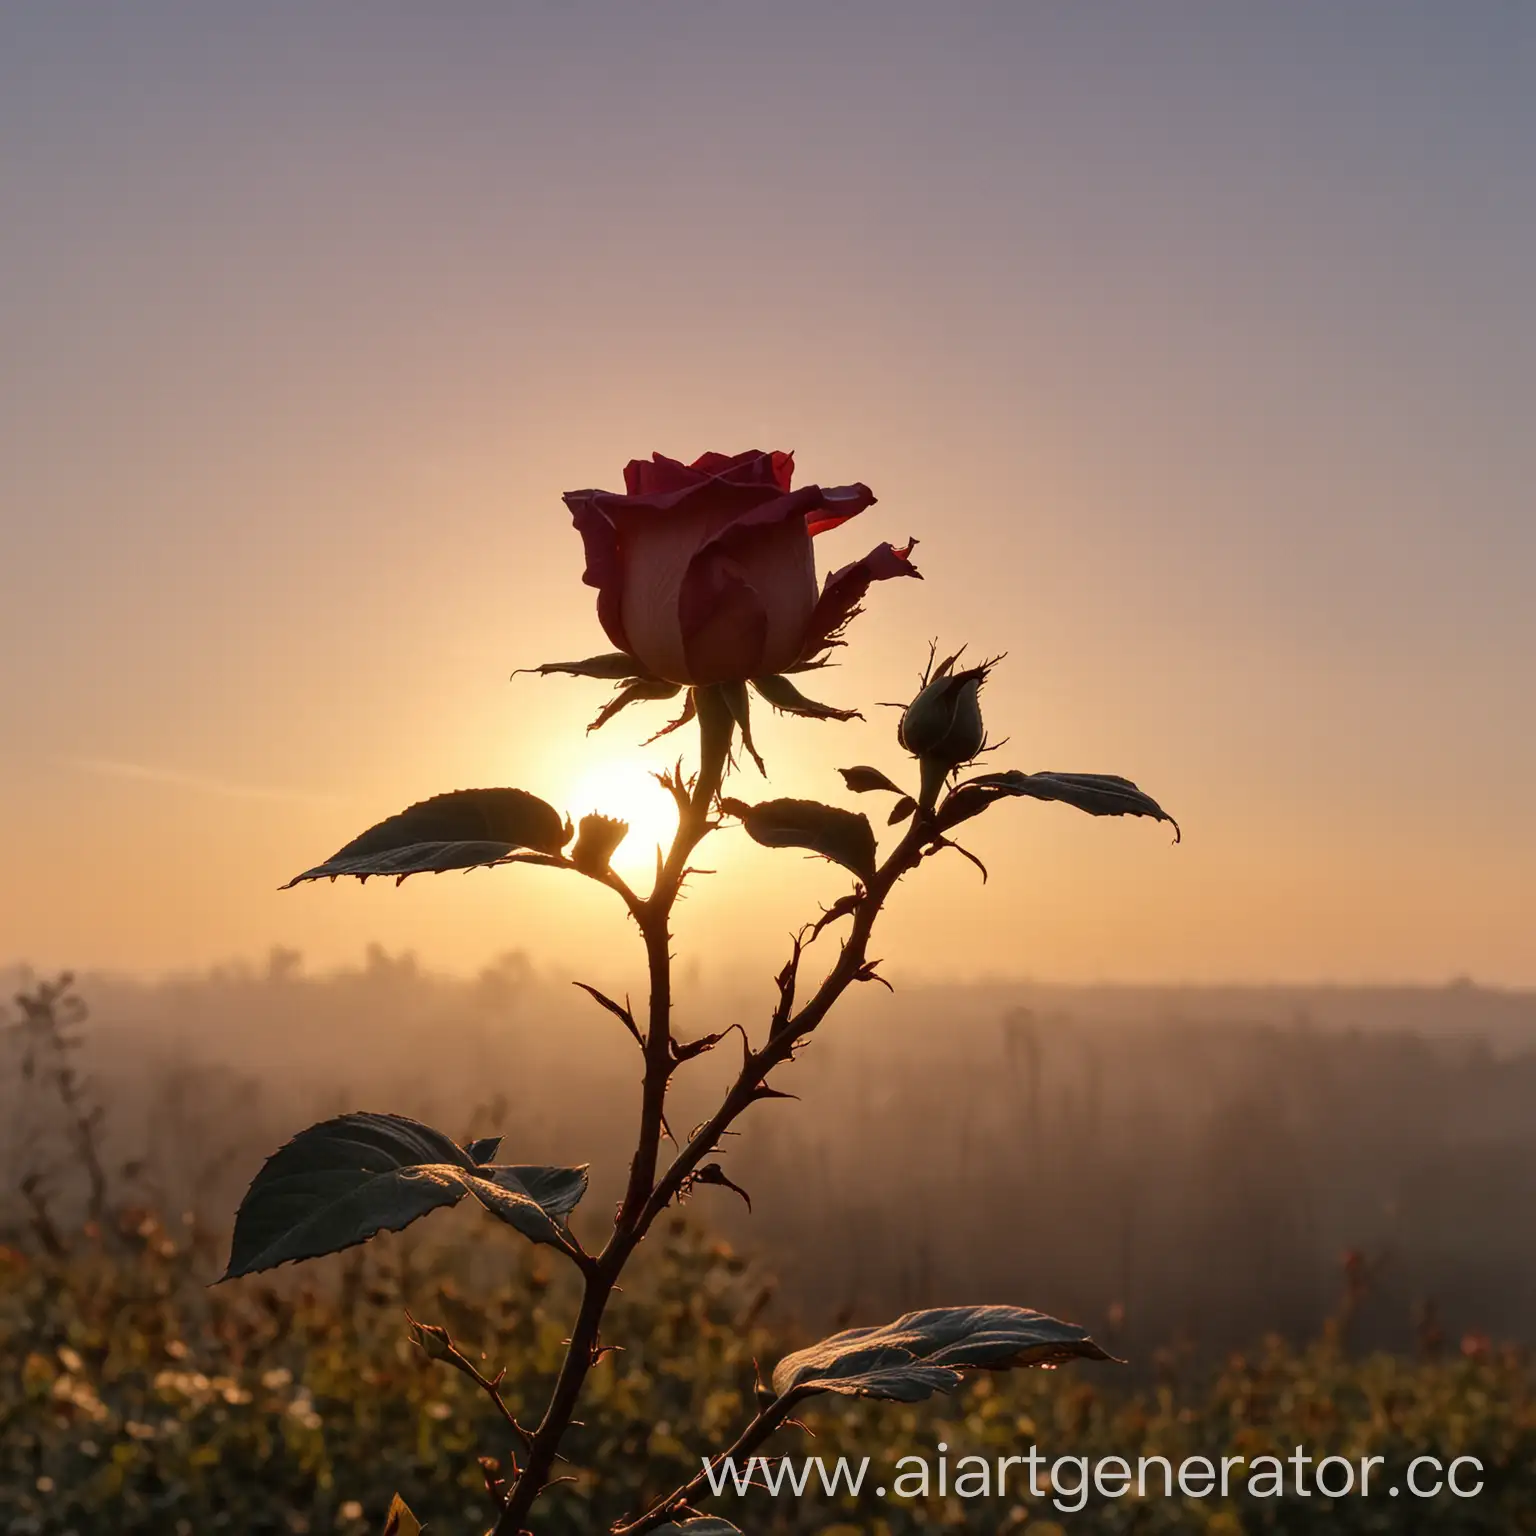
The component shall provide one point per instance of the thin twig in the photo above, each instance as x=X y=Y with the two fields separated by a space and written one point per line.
x=767 y=1421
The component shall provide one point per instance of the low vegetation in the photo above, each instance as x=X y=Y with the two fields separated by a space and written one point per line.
x=137 y=1399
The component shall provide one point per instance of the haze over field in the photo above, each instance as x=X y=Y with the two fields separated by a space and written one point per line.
x=1202 y=1160
x=1193 y=343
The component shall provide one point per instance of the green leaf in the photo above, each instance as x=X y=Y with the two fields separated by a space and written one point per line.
x=927 y=1352
x=342 y=1181
x=483 y=1150
x=611 y=666
x=784 y=696
x=705 y=1525
x=464 y=829
x=504 y=1195
x=557 y=1190
x=1100 y=794
x=861 y=780
x=845 y=837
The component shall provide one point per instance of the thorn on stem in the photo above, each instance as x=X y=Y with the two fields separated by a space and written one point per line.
x=495 y=1485
x=713 y=1173
x=867 y=972
x=944 y=842
x=618 y=1010
x=844 y=906
x=686 y=1052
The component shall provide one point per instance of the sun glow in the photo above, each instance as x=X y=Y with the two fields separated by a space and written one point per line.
x=626 y=788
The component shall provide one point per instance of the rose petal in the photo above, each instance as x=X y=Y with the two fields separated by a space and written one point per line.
x=780 y=565
x=659 y=475
x=759 y=535
x=839 y=503
x=723 y=621
x=604 y=569
x=657 y=551
x=751 y=468
x=704 y=571
x=724 y=500
x=820 y=507
x=844 y=590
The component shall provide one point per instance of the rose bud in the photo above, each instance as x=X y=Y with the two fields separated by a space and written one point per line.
x=432 y=1339
x=942 y=726
x=596 y=838
x=704 y=571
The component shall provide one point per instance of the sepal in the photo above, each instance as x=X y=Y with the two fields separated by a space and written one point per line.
x=788 y=700
x=611 y=667
x=634 y=692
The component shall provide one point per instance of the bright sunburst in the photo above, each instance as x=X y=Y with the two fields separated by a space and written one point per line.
x=626 y=787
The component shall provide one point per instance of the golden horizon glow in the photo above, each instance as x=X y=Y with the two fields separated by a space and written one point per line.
x=624 y=786
x=308 y=325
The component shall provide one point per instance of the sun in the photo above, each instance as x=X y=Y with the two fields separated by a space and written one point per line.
x=626 y=788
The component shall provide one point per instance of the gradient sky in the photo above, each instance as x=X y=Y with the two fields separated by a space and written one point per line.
x=1195 y=342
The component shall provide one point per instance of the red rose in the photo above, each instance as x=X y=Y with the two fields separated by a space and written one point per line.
x=704 y=571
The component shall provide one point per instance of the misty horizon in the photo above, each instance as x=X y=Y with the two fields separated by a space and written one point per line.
x=724 y=977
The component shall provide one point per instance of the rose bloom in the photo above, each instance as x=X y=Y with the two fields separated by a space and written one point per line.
x=704 y=571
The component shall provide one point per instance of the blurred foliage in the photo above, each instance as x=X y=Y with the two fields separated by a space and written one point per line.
x=137 y=1400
